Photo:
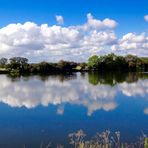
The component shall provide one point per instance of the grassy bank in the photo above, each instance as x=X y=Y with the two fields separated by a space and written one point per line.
x=4 y=71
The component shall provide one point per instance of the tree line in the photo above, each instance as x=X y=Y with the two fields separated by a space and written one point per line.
x=121 y=63
x=108 y=62
x=21 y=65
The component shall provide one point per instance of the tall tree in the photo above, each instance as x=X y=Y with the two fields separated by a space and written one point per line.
x=3 y=62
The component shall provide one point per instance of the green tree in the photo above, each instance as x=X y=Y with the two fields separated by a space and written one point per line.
x=3 y=62
x=93 y=62
x=18 y=63
x=66 y=66
x=134 y=62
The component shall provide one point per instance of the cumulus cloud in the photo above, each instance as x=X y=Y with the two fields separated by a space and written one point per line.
x=77 y=43
x=34 y=92
x=53 y=43
x=133 y=89
x=146 y=111
x=59 y=19
x=146 y=18
x=132 y=43
x=98 y=24
x=76 y=92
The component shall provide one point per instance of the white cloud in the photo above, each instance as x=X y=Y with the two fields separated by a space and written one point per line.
x=98 y=24
x=132 y=43
x=53 y=43
x=146 y=111
x=34 y=92
x=77 y=43
x=133 y=89
x=146 y=18
x=59 y=19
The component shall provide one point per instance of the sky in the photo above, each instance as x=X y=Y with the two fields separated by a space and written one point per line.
x=72 y=30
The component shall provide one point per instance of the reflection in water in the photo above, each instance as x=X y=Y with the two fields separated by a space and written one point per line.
x=146 y=111
x=91 y=90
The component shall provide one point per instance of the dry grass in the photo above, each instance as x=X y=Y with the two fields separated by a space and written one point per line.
x=104 y=139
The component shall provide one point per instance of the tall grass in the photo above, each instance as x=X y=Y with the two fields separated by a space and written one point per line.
x=104 y=139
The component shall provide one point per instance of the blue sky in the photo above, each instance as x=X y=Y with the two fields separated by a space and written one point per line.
x=129 y=14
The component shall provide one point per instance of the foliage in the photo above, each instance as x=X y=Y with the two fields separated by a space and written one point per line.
x=18 y=63
x=113 y=62
x=110 y=62
x=3 y=62
x=93 y=62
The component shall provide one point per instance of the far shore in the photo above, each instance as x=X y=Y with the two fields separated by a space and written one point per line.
x=111 y=62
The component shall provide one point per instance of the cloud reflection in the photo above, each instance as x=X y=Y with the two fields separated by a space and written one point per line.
x=33 y=92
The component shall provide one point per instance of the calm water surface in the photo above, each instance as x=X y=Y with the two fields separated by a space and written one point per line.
x=36 y=109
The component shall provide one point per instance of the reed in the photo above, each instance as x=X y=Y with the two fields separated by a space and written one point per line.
x=104 y=139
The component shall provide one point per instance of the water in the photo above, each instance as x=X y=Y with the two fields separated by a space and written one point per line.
x=42 y=109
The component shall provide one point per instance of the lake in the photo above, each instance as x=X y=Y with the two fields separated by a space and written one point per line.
x=42 y=109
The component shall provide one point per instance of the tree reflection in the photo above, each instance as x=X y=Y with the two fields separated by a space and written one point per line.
x=112 y=79
x=93 y=91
